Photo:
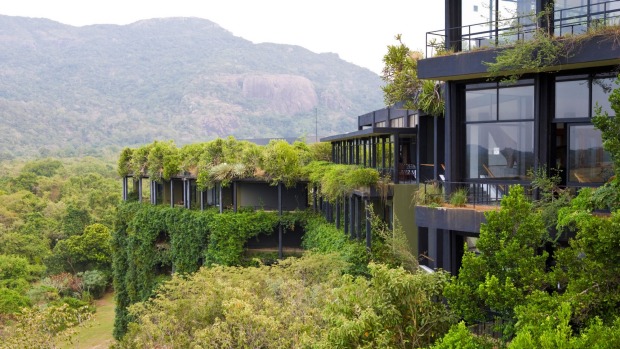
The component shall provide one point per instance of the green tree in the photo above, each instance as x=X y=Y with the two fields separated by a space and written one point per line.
x=90 y=250
x=45 y=167
x=511 y=263
x=12 y=301
x=75 y=220
x=16 y=267
x=400 y=73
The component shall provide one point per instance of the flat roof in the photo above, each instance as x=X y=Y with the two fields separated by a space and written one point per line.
x=370 y=132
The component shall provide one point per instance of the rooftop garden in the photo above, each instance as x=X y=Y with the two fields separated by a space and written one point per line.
x=225 y=160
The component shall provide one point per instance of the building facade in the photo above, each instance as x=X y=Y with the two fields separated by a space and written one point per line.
x=496 y=133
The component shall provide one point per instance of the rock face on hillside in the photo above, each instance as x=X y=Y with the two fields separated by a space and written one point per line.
x=284 y=94
x=68 y=90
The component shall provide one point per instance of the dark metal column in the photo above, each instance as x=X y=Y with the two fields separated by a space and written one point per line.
x=185 y=193
x=338 y=214
x=364 y=141
x=125 y=189
x=368 y=232
x=383 y=153
x=171 y=192
x=396 y=154
x=453 y=23
x=234 y=196
x=221 y=197
x=139 y=189
x=351 y=218
x=345 y=208
x=454 y=135
x=314 y=198
x=280 y=253
x=357 y=218
x=373 y=152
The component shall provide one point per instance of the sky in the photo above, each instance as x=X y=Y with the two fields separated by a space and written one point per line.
x=358 y=31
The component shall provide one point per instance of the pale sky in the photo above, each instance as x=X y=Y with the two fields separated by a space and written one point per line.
x=358 y=31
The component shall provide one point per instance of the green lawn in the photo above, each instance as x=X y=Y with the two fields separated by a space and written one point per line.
x=98 y=333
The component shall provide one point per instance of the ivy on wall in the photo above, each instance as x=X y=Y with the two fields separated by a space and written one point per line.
x=150 y=242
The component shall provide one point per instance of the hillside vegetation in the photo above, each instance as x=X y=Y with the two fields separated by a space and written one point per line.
x=73 y=90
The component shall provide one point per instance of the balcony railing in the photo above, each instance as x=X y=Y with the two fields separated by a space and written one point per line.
x=567 y=21
x=488 y=193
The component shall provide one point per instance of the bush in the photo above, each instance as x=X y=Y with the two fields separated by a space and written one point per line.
x=94 y=282
x=11 y=301
x=42 y=294
x=459 y=337
x=323 y=237
x=66 y=284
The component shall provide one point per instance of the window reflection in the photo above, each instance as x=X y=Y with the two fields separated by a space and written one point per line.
x=481 y=105
x=571 y=99
x=500 y=150
x=601 y=89
x=588 y=162
x=516 y=103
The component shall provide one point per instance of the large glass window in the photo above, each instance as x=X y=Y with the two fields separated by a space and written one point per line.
x=588 y=162
x=578 y=99
x=503 y=150
x=499 y=130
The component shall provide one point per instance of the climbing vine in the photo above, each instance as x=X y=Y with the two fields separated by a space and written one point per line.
x=150 y=242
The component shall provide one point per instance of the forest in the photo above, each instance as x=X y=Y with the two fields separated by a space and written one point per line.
x=65 y=233
x=56 y=218
x=546 y=272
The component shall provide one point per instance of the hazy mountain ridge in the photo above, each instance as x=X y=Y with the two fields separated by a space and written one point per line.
x=187 y=79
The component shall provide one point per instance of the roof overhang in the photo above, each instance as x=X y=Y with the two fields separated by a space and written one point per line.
x=371 y=132
x=596 y=51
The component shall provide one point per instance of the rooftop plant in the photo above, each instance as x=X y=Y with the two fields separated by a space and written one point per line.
x=224 y=160
x=402 y=83
x=543 y=50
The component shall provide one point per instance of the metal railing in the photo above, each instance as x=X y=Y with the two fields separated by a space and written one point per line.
x=476 y=193
x=574 y=20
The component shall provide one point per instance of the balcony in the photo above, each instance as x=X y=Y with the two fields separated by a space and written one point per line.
x=501 y=32
x=475 y=44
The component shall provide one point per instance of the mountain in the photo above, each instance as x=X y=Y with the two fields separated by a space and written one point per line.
x=68 y=90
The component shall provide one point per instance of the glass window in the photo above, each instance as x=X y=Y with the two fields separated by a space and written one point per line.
x=571 y=99
x=516 y=103
x=601 y=89
x=413 y=120
x=588 y=162
x=481 y=105
x=398 y=122
x=503 y=150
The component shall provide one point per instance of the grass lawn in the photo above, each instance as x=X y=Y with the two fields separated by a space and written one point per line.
x=97 y=334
